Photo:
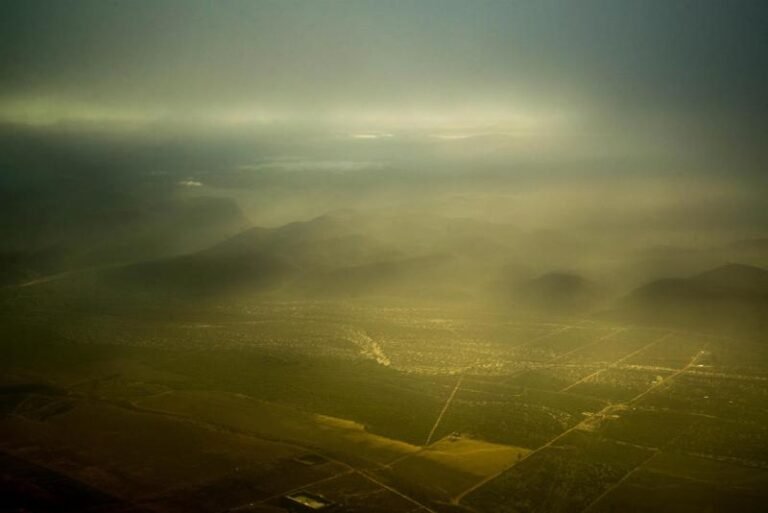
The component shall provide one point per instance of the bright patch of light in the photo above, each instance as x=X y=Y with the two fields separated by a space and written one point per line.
x=461 y=136
x=372 y=136
x=48 y=111
x=296 y=164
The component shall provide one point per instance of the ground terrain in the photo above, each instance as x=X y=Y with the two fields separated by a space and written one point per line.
x=377 y=407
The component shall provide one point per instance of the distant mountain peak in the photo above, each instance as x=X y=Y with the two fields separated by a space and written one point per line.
x=559 y=278
x=736 y=276
x=733 y=267
x=558 y=290
x=731 y=295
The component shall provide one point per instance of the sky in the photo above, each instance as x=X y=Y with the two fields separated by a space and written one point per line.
x=396 y=64
x=602 y=87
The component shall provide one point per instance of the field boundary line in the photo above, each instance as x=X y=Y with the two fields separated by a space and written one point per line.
x=457 y=499
x=445 y=409
x=619 y=482
x=665 y=381
x=605 y=337
x=617 y=362
x=350 y=469
x=394 y=490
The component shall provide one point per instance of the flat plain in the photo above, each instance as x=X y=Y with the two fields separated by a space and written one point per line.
x=233 y=408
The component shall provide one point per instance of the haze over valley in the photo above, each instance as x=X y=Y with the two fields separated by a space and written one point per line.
x=383 y=257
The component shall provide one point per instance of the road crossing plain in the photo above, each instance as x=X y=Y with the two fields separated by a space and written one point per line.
x=186 y=413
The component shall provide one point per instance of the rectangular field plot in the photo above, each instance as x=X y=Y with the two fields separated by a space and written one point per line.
x=356 y=492
x=674 y=352
x=737 y=357
x=742 y=399
x=563 y=478
x=652 y=428
x=276 y=421
x=452 y=465
x=528 y=420
x=614 y=346
x=618 y=385
x=558 y=343
x=554 y=377
x=391 y=403
x=108 y=448
x=744 y=442
x=681 y=484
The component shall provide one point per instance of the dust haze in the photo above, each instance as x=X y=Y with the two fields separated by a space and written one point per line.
x=383 y=256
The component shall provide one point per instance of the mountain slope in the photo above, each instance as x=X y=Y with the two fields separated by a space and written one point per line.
x=736 y=279
x=125 y=231
x=336 y=255
x=733 y=296
x=557 y=292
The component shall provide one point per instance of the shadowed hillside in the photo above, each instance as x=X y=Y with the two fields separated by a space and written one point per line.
x=115 y=230
x=732 y=297
x=558 y=292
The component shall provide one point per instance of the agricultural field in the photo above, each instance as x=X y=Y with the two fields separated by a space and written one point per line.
x=366 y=407
x=672 y=482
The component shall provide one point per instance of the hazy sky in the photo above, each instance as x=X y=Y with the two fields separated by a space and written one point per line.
x=543 y=65
x=606 y=117
x=667 y=84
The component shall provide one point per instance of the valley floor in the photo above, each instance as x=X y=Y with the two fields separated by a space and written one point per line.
x=376 y=408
